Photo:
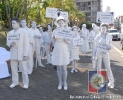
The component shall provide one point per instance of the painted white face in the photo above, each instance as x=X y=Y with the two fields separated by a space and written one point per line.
x=61 y=23
x=15 y=25
x=33 y=24
x=23 y=23
x=75 y=29
x=49 y=27
x=84 y=26
x=103 y=30
x=40 y=29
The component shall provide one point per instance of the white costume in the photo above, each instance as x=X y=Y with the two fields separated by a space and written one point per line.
x=103 y=55
x=47 y=41
x=17 y=53
x=74 y=49
x=84 y=34
x=31 y=47
x=60 y=54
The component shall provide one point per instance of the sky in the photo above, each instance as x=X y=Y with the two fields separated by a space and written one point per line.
x=115 y=5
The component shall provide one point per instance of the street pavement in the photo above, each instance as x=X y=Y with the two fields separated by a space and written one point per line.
x=44 y=82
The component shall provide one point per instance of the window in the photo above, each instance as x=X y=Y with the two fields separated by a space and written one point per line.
x=89 y=3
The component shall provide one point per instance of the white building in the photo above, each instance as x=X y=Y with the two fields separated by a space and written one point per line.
x=90 y=8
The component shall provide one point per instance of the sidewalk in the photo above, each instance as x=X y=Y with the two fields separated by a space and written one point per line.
x=44 y=83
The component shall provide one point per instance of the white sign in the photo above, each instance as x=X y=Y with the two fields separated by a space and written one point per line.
x=37 y=37
x=105 y=17
x=104 y=47
x=53 y=13
x=13 y=38
x=91 y=39
x=64 y=34
x=77 y=41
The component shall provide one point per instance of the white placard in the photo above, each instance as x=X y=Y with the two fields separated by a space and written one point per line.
x=64 y=34
x=77 y=41
x=13 y=38
x=105 y=17
x=104 y=47
x=52 y=13
x=91 y=39
x=37 y=37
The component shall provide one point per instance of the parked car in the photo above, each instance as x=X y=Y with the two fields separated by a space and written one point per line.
x=115 y=34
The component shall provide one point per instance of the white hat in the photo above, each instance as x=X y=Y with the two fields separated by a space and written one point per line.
x=75 y=27
x=60 y=18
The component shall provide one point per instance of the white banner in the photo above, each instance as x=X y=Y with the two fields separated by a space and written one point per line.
x=105 y=17
x=53 y=13
x=13 y=38
x=77 y=41
x=64 y=34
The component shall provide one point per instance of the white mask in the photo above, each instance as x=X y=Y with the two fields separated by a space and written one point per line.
x=23 y=23
x=103 y=30
x=15 y=25
x=61 y=23
x=33 y=24
x=49 y=27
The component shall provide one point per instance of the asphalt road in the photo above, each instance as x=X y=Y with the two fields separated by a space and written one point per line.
x=44 y=82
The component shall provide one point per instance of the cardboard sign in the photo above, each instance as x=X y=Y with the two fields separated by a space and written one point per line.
x=64 y=34
x=13 y=38
x=77 y=41
x=104 y=47
x=53 y=13
x=105 y=17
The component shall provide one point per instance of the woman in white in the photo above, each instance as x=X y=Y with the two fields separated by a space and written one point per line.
x=60 y=53
x=74 y=49
x=102 y=47
x=84 y=34
x=47 y=41
x=42 y=49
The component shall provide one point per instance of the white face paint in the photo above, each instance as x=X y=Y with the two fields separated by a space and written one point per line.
x=23 y=23
x=40 y=29
x=103 y=30
x=61 y=23
x=15 y=25
x=49 y=27
x=84 y=26
x=75 y=30
x=33 y=24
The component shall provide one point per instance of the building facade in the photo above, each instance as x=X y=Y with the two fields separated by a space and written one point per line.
x=90 y=8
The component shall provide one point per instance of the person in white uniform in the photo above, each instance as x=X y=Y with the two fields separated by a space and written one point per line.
x=47 y=41
x=19 y=48
x=74 y=48
x=31 y=46
x=42 y=49
x=60 y=53
x=37 y=37
x=84 y=34
x=102 y=47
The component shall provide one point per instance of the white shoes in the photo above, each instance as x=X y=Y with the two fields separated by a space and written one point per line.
x=13 y=85
x=60 y=87
x=25 y=86
x=42 y=65
x=74 y=70
x=65 y=87
x=110 y=85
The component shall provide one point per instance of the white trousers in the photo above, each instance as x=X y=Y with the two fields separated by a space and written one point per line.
x=38 y=55
x=14 y=69
x=30 y=62
x=47 y=48
x=106 y=60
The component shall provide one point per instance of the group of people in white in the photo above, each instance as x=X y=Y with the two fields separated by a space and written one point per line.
x=60 y=51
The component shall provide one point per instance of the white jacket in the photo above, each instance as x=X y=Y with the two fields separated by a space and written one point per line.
x=21 y=48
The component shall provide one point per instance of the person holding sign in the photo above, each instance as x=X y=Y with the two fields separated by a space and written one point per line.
x=74 y=48
x=84 y=34
x=47 y=41
x=102 y=47
x=37 y=36
x=60 y=53
x=18 y=41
